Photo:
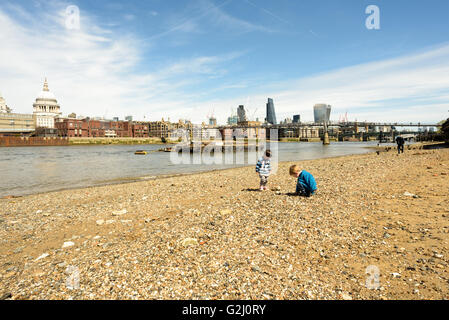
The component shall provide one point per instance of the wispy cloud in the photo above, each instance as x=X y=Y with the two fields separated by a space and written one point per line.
x=221 y=18
x=207 y=14
x=93 y=69
x=408 y=88
x=97 y=69
x=268 y=12
x=314 y=33
x=129 y=17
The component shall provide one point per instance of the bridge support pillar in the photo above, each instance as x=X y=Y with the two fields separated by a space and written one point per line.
x=326 y=140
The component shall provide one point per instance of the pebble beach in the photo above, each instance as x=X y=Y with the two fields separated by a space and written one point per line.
x=215 y=236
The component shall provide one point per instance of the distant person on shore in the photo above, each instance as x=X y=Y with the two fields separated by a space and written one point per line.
x=263 y=168
x=400 y=141
x=306 y=185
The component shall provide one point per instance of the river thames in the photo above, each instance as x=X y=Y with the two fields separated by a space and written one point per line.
x=29 y=170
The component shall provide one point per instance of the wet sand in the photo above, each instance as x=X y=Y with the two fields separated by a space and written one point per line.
x=214 y=236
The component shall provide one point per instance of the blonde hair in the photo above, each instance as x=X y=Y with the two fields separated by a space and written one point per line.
x=294 y=170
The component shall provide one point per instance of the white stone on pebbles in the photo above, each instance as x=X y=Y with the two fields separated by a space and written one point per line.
x=68 y=244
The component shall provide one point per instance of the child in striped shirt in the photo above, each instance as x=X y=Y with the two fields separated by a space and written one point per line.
x=263 y=168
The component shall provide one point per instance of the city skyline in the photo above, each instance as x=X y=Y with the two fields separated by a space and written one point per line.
x=110 y=67
x=47 y=110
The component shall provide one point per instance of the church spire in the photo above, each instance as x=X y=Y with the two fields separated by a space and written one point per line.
x=46 y=85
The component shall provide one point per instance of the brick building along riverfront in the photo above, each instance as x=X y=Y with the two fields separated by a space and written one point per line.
x=90 y=128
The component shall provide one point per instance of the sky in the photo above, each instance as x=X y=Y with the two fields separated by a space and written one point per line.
x=182 y=59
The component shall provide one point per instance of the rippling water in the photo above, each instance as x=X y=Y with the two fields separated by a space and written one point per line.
x=28 y=170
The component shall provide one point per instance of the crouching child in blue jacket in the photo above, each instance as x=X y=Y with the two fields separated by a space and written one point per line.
x=306 y=185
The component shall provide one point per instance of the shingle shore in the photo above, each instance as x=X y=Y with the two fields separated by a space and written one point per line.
x=214 y=236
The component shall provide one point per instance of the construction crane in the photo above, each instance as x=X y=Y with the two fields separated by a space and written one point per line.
x=211 y=120
x=254 y=114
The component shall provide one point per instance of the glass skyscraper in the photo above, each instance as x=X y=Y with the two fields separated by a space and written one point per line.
x=233 y=120
x=241 y=114
x=322 y=113
x=271 y=114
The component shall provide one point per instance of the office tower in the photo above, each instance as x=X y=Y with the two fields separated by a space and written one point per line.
x=241 y=113
x=233 y=120
x=271 y=114
x=297 y=118
x=212 y=121
x=322 y=113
